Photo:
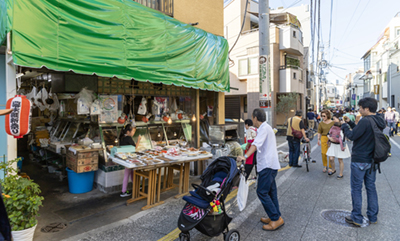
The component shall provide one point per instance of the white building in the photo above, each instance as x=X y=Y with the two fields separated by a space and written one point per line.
x=377 y=63
x=288 y=58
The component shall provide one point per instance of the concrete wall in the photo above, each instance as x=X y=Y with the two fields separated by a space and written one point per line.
x=208 y=13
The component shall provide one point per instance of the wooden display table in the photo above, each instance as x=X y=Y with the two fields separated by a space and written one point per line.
x=152 y=174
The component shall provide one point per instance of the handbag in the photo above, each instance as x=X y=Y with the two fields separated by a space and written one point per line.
x=295 y=133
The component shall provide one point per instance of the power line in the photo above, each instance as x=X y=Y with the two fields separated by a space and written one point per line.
x=330 y=27
x=352 y=16
x=241 y=29
x=362 y=12
x=336 y=74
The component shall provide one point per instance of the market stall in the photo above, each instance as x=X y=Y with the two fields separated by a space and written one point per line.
x=87 y=98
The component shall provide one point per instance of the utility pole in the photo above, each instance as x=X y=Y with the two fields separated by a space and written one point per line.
x=266 y=93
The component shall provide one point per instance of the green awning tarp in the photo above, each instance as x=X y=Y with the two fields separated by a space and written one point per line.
x=110 y=38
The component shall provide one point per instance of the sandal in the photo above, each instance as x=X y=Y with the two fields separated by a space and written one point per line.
x=331 y=173
x=340 y=177
x=324 y=170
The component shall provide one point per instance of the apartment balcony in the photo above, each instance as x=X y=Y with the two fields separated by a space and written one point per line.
x=290 y=80
x=291 y=40
x=164 y=6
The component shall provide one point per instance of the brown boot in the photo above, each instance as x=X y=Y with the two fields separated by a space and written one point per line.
x=266 y=220
x=274 y=225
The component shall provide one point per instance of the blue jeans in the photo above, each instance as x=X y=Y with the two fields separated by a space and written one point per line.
x=268 y=193
x=358 y=176
x=294 y=153
x=392 y=126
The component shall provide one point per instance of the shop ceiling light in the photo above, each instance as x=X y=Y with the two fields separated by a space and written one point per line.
x=194 y=118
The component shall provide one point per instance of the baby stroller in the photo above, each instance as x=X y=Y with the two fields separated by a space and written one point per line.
x=205 y=208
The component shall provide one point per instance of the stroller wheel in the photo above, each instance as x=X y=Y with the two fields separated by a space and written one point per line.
x=232 y=235
x=184 y=237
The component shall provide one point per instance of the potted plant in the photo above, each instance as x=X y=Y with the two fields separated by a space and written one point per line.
x=22 y=202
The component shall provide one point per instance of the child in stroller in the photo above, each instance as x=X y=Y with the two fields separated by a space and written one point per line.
x=205 y=208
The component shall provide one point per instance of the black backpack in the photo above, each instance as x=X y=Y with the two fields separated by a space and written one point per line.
x=382 y=145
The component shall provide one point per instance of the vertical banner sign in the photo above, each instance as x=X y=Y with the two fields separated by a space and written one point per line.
x=265 y=92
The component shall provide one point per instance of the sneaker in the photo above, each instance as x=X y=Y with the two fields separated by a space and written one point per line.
x=350 y=221
x=376 y=222
x=125 y=194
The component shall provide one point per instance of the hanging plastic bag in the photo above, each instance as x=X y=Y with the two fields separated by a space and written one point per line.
x=142 y=107
x=82 y=107
x=40 y=99
x=95 y=109
x=243 y=192
x=174 y=106
x=31 y=96
x=52 y=101
x=85 y=96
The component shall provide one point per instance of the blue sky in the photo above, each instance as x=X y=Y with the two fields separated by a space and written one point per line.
x=356 y=27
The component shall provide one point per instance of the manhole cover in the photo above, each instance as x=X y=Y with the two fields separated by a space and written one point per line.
x=54 y=227
x=337 y=216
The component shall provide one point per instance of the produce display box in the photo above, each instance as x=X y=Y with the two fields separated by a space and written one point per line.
x=83 y=161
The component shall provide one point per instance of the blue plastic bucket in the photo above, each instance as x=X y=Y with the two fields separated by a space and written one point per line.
x=80 y=182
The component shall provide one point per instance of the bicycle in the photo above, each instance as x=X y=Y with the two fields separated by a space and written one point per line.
x=307 y=148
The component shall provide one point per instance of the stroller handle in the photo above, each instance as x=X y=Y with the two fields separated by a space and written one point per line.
x=196 y=186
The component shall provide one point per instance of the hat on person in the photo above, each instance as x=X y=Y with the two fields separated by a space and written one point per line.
x=299 y=112
x=5 y=111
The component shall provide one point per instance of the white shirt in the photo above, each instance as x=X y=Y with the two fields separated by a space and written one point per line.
x=267 y=153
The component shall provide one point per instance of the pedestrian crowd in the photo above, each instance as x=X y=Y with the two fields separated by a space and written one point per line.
x=335 y=129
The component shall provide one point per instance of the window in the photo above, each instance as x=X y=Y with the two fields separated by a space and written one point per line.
x=248 y=66
x=294 y=34
x=253 y=65
x=398 y=31
x=242 y=67
x=245 y=104
x=367 y=63
x=294 y=75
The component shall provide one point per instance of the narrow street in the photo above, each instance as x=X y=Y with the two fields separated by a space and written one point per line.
x=302 y=197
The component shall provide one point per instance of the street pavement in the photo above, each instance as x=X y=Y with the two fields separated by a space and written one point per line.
x=302 y=197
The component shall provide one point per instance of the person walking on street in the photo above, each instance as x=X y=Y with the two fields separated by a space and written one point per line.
x=335 y=149
x=267 y=167
x=391 y=120
x=361 y=167
x=323 y=130
x=311 y=119
x=294 y=143
x=397 y=119
x=251 y=133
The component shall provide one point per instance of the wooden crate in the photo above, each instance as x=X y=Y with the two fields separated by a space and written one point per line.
x=85 y=161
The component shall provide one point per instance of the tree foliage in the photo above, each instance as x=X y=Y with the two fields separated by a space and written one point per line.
x=21 y=198
x=286 y=103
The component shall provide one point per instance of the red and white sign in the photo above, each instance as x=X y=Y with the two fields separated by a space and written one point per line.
x=18 y=122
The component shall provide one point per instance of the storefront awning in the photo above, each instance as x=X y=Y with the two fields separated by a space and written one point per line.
x=110 y=38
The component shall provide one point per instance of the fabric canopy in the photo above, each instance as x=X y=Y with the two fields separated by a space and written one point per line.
x=110 y=38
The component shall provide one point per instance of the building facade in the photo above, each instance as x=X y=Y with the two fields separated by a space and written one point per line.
x=380 y=63
x=288 y=59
